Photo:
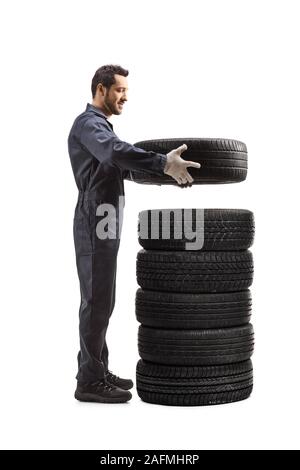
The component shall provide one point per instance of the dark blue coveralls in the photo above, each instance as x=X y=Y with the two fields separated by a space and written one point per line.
x=100 y=162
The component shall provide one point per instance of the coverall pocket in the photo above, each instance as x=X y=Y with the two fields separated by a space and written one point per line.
x=105 y=224
x=82 y=235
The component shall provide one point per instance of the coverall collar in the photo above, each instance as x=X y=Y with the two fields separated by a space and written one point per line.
x=98 y=112
x=90 y=107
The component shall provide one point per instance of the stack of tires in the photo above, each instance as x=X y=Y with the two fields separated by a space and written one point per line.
x=195 y=340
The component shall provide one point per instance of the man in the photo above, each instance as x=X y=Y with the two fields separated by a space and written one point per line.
x=100 y=162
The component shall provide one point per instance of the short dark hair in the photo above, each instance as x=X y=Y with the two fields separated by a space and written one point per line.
x=105 y=75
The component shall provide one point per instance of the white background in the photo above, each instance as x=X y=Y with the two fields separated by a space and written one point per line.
x=225 y=69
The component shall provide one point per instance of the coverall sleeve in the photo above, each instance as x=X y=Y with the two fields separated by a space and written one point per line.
x=103 y=144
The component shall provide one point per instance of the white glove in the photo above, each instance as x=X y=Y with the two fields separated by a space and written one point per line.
x=177 y=167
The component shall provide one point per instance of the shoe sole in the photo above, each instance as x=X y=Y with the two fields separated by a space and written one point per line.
x=90 y=397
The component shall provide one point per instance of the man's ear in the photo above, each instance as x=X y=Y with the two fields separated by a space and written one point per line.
x=101 y=89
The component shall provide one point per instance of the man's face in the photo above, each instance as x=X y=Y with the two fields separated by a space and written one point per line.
x=117 y=95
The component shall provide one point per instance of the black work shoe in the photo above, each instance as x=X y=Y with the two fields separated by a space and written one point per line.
x=113 y=379
x=101 y=392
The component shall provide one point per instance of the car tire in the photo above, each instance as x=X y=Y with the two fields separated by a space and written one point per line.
x=222 y=160
x=221 y=229
x=194 y=271
x=194 y=386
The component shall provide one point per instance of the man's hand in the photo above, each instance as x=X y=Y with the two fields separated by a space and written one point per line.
x=177 y=167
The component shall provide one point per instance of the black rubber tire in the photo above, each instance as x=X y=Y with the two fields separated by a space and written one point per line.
x=194 y=386
x=224 y=229
x=196 y=347
x=194 y=271
x=222 y=160
x=192 y=311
